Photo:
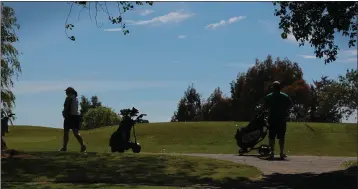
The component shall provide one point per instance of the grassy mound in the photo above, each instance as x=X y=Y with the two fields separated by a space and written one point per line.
x=89 y=170
x=199 y=137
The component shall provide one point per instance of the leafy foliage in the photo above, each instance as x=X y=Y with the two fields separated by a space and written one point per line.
x=325 y=104
x=85 y=105
x=321 y=101
x=10 y=65
x=317 y=22
x=189 y=107
x=249 y=89
x=217 y=107
x=114 y=18
x=99 y=117
x=95 y=102
x=348 y=91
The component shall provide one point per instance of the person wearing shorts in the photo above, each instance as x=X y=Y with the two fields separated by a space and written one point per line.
x=72 y=119
x=4 y=129
x=278 y=105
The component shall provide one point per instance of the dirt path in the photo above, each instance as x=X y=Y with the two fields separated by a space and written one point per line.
x=293 y=164
x=306 y=172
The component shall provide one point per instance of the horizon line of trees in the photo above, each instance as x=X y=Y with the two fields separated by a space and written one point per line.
x=325 y=100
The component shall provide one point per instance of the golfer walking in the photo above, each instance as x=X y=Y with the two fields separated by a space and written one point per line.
x=72 y=119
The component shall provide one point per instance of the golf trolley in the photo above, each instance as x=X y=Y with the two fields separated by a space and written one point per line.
x=120 y=139
x=5 y=118
x=248 y=137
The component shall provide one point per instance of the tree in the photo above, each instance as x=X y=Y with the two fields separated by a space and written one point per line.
x=85 y=105
x=182 y=112
x=348 y=91
x=100 y=117
x=325 y=103
x=10 y=65
x=237 y=88
x=95 y=102
x=317 y=22
x=189 y=107
x=217 y=107
x=249 y=90
x=114 y=18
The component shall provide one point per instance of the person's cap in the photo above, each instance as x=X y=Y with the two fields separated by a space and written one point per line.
x=70 y=89
x=276 y=84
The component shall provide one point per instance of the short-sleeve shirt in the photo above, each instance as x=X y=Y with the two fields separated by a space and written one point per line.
x=71 y=106
x=278 y=105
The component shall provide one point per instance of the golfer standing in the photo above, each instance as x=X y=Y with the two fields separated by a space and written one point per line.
x=278 y=105
x=72 y=119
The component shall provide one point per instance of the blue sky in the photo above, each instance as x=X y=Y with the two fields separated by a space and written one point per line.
x=170 y=46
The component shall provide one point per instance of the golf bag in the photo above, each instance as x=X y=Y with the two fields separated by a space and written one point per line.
x=248 y=137
x=120 y=139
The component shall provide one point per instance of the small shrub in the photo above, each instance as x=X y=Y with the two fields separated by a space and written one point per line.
x=100 y=117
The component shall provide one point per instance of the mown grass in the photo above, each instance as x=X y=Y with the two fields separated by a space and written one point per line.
x=348 y=164
x=109 y=171
x=201 y=137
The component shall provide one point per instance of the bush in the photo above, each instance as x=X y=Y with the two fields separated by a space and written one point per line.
x=100 y=117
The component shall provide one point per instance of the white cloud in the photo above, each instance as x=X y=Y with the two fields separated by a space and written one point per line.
x=350 y=52
x=273 y=27
x=225 y=22
x=308 y=56
x=181 y=36
x=177 y=16
x=34 y=87
x=146 y=12
x=113 y=30
x=350 y=60
x=291 y=38
x=344 y=56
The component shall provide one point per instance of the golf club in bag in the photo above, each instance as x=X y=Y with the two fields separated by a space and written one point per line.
x=120 y=139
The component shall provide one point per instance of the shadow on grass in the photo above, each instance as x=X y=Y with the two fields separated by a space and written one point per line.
x=343 y=179
x=151 y=171
x=75 y=168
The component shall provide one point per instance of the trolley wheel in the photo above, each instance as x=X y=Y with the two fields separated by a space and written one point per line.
x=264 y=150
x=241 y=152
x=136 y=148
x=113 y=149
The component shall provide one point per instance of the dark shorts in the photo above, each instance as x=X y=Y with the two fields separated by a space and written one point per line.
x=72 y=122
x=277 y=129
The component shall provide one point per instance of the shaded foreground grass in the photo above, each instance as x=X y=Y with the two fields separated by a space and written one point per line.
x=193 y=137
x=79 y=186
x=79 y=170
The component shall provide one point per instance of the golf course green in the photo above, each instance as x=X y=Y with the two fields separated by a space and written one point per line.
x=327 y=139
x=37 y=164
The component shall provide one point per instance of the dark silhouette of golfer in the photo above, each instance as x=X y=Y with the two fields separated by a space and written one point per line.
x=278 y=104
x=72 y=119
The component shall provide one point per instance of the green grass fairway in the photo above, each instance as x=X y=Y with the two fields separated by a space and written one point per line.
x=348 y=164
x=88 y=170
x=201 y=137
